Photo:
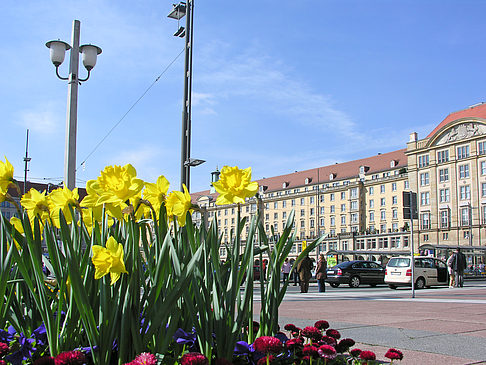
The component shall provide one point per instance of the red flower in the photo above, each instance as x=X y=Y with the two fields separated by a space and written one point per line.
x=327 y=352
x=327 y=340
x=194 y=358
x=355 y=352
x=291 y=327
x=70 y=358
x=263 y=360
x=367 y=355
x=344 y=345
x=268 y=344
x=294 y=343
x=45 y=360
x=145 y=358
x=4 y=349
x=310 y=351
x=322 y=325
x=333 y=333
x=3 y=362
x=394 y=354
x=312 y=332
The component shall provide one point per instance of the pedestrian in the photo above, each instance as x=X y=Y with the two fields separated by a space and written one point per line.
x=286 y=269
x=321 y=273
x=294 y=274
x=459 y=264
x=304 y=269
x=452 y=280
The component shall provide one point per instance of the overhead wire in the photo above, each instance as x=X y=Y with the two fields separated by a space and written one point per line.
x=130 y=109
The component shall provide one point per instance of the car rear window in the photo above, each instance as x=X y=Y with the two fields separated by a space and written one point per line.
x=399 y=262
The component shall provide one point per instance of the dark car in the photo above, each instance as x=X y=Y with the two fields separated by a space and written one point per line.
x=355 y=273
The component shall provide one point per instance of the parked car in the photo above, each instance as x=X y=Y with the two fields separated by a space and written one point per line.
x=355 y=273
x=428 y=271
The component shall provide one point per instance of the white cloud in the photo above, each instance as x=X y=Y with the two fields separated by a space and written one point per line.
x=45 y=120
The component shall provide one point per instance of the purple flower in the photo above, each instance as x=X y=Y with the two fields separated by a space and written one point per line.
x=282 y=337
x=40 y=335
x=5 y=336
x=24 y=352
x=242 y=348
x=184 y=338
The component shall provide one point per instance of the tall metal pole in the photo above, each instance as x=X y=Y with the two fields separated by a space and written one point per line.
x=412 y=257
x=186 y=103
x=26 y=160
x=72 y=110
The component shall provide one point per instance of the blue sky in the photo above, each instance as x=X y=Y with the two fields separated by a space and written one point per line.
x=278 y=85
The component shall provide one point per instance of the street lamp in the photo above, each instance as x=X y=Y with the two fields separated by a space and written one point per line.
x=178 y=12
x=89 y=52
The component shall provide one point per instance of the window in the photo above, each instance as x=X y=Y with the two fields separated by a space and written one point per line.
x=465 y=213
x=332 y=208
x=343 y=207
x=226 y=212
x=406 y=185
x=395 y=214
x=321 y=199
x=394 y=200
x=311 y=211
x=424 y=179
x=483 y=189
x=423 y=160
x=382 y=189
x=275 y=215
x=444 y=218
x=331 y=197
x=483 y=214
x=343 y=195
x=394 y=186
x=464 y=171
x=323 y=210
x=444 y=195
x=425 y=198
x=372 y=203
x=343 y=219
x=372 y=216
x=302 y=201
x=284 y=204
x=321 y=222
x=333 y=221
x=483 y=167
x=383 y=215
x=445 y=236
x=354 y=205
x=312 y=223
x=443 y=156
x=371 y=190
x=462 y=152
x=302 y=212
x=292 y=203
x=311 y=200
x=382 y=202
x=284 y=215
x=482 y=148
x=465 y=192
x=425 y=221
x=275 y=205
x=354 y=193
x=354 y=218
x=443 y=175
x=302 y=224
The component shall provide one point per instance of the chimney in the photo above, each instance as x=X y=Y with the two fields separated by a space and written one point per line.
x=413 y=137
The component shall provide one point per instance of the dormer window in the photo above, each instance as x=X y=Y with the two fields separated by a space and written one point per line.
x=285 y=184
x=363 y=169
x=308 y=180
x=393 y=163
x=332 y=176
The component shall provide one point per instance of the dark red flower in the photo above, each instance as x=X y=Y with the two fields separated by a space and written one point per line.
x=355 y=352
x=3 y=362
x=291 y=327
x=4 y=349
x=310 y=350
x=268 y=344
x=344 y=345
x=263 y=360
x=328 y=340
x=322 y=325
x=327 y=352
x=312 y=332
x=333 y=333
x=145 y=358
x=367 y=355
x=45 y=360
x=70 y=358
x=394 y=354
x=194 y=358
x=294 y=343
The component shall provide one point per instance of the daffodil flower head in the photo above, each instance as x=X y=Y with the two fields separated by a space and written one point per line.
x=6 y=176
x=17 y=223
x=178 y=204
x=36 y=204
x=109 y=259
x=156 y=193
x=92 y=216
x=60 y=200
x=234 y=185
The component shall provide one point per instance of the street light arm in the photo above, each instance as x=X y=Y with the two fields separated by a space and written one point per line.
x=59 y=76
x=87 y=77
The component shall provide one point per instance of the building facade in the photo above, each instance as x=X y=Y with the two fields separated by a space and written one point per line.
x=358 y=204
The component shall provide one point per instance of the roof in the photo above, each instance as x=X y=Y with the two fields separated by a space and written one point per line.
x=340 y=171
x=474 y=111
x=40 y=187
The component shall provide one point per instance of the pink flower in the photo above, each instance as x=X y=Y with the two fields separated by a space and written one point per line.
x=367 y=355
x=310 y=351
x=327 y=352
x=312 y=332
x=263 y=360
x=70 y=358
x=333 y=333
x=194 y=358
x=267 y=344
x=394 y=354
x=3 y=362
x=327 y=340
x=322 y=325
x=4 y=349
x=145 y=358
x=355 y=352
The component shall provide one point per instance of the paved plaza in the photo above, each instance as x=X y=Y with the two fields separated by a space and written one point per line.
x=438 y=326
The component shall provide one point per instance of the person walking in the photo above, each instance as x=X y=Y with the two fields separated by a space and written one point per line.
x=286 y=269
x=304 y=269
x=452 y=279
x=459 y=264
x=321 y=273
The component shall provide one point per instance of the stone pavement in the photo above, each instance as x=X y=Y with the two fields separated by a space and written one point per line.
x=438 y=326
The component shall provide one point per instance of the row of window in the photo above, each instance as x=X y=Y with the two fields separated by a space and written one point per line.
x=443 y=155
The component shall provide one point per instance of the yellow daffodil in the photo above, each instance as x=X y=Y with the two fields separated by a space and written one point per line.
x=156 y=193
x=234 y=185
x=114 y=187
x=109 y=259
x=6 y=176
x=36 y=204
x=92 y=216
x=178 y=204
x=61 y=199
x=17 y=223
x=142 y=209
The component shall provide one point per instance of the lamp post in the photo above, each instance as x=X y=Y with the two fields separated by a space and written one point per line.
x=90 y=53
x=178 y=12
